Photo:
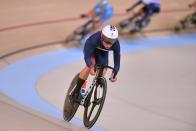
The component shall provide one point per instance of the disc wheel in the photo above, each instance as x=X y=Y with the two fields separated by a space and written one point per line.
x=70 y=108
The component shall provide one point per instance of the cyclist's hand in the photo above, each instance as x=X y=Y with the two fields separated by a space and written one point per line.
x=92 y=70
x=127 y=10
x=83 y=15
x=190 y=5
x=112 y=78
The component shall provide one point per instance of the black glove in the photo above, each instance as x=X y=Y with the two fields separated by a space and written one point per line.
x=83 y=15
x=127 y=10
x=113 y=77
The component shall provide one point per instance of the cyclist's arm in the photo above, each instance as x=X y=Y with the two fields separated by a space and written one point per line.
x=133 y=6
x=91 y=14
x=89 y=48
x=116 y=58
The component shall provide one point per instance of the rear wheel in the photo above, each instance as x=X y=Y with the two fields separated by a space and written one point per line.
x=95 y=104
x=70 y=108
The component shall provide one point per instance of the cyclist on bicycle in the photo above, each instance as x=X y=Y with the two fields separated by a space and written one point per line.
x=149 y=8
x=193 y=5
x=102 y=12
x=96 y=50
x=193 y=15
x=189 y=20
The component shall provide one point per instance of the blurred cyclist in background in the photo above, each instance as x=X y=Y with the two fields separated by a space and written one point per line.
x=149 y=8
x=96 y=51
x=189 y=20
x=193 y=5
x=102 y=12
x=193 y=14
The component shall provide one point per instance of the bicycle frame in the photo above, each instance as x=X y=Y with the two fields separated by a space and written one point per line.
x=99 y=73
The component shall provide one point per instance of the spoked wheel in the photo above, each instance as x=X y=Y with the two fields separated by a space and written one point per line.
x=96 y=101
x=70 y=107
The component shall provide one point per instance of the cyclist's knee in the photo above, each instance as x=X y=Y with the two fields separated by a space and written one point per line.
x=84 y=73
x=93 y=60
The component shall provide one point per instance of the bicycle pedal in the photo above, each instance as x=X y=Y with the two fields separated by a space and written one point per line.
x=82 y=102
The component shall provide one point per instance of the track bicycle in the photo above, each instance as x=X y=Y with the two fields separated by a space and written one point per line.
x=132 y=26
x=92 y=102
x=80 y=32
x=188 y=22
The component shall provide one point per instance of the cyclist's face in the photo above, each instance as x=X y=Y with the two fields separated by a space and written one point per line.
x=106 y=42
x=107 y=45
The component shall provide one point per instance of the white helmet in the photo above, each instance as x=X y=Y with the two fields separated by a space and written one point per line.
x=103 y=2
x=109 y=34
x=150 y=1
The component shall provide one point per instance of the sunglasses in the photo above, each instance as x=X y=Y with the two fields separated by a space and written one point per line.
x=108 y=41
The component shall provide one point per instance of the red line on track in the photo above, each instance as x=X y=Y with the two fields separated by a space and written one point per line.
x=14 y=27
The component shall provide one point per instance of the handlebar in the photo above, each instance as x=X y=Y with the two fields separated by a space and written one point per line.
x=104 y=66
x=101 y=66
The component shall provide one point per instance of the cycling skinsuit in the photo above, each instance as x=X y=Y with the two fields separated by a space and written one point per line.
x=94 y=48
x=108 y=11
x=153 y=7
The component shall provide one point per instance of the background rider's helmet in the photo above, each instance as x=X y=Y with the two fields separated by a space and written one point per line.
x=147 y=1
x=109 y=34
x=150 y=1
x=103 y=2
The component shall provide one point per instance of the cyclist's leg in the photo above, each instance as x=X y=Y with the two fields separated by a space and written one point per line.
x=144 y=21
x=140 y=13
x=85 y=30
x=82 y=78
x=150 y=10
x=131 y=19
x=147 y=13
x=134 y=20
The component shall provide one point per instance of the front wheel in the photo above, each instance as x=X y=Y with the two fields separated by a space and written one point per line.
x=96 y=99
x=70 y=108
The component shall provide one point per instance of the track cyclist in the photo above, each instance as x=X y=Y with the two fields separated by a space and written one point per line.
x=96 y=51
x=148 y=9
x=101 y=13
